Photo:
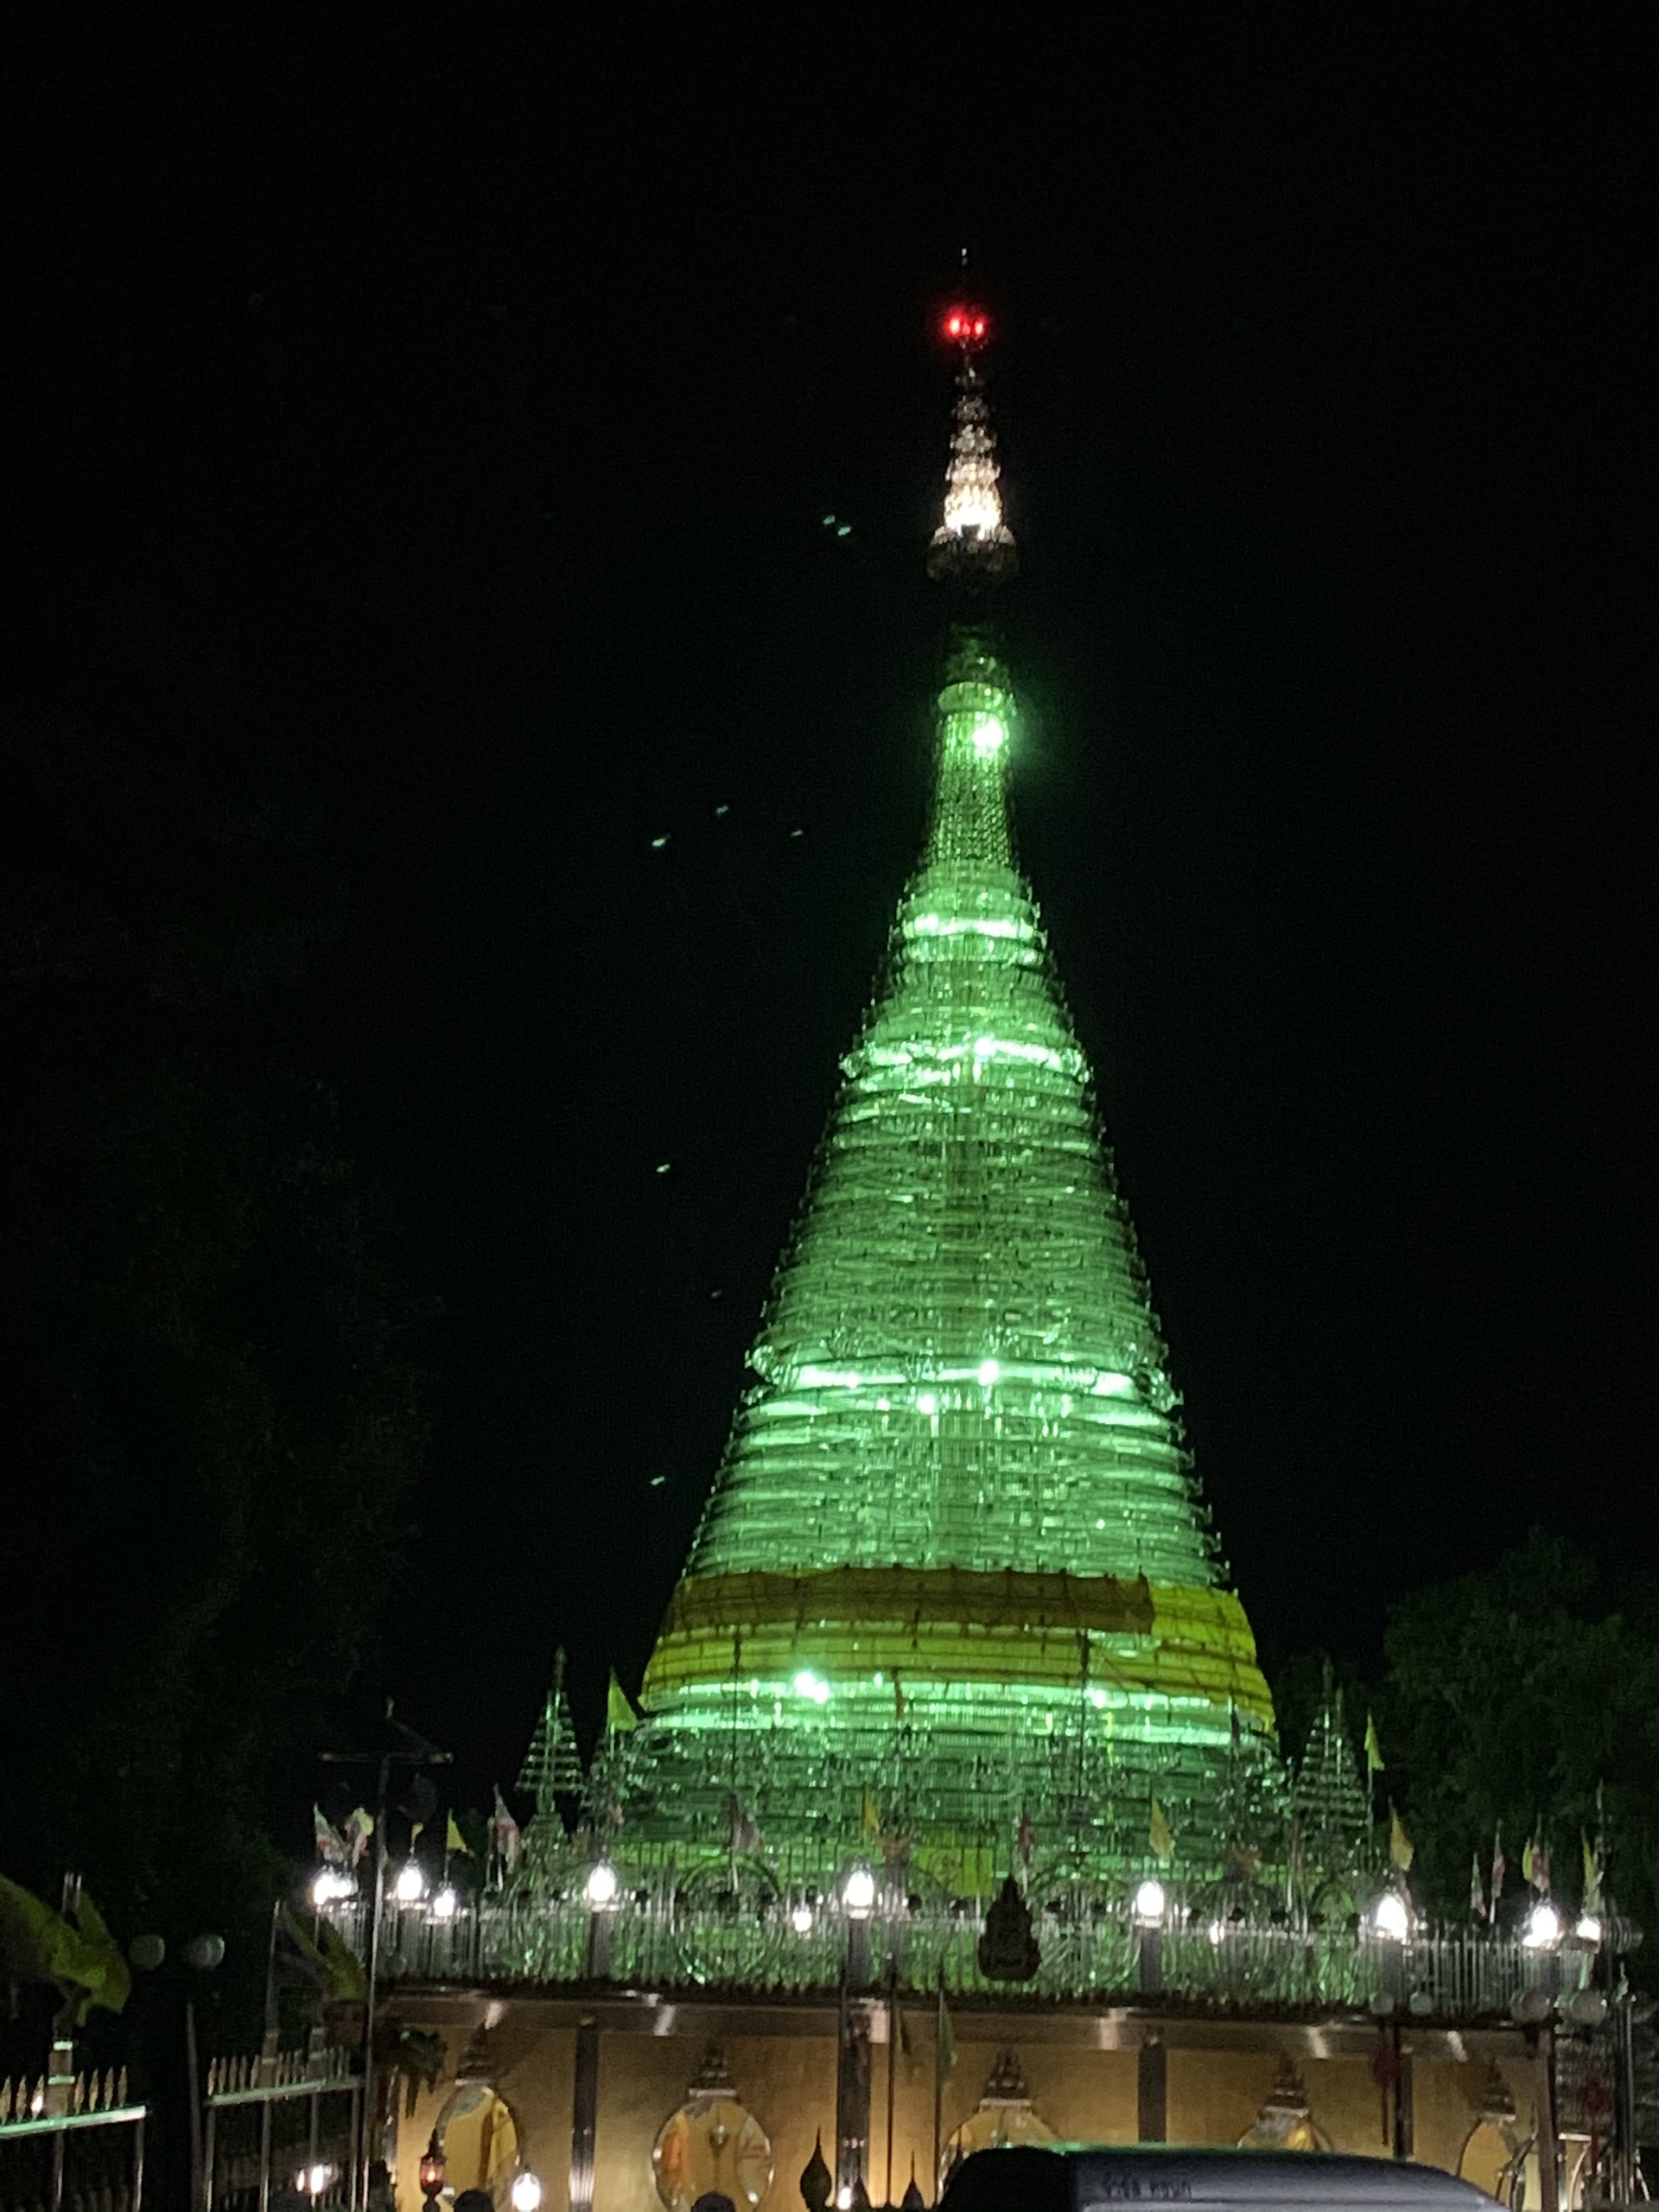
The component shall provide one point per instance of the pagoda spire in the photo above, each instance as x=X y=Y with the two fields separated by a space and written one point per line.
x=973 y=545
x=552 y=1765
x=958 y=1500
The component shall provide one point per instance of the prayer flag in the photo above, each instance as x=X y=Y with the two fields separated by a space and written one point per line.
x=741 y=1832
x=619 y=1713
x=944 y=2041
x=1373 y=1750
x=1158 y=1833
x=505 y=1838
x=1401 y=1850
x=1592 y=1873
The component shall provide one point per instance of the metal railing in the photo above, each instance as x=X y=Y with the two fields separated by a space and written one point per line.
x=283 y=2118
x=70 y=2141
x=1090 y=1949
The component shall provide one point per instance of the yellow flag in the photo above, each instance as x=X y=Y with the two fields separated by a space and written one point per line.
x=453 y=1839
x=1526 y=1861
x=1401 y=1850
x=619 y=1714
x=869 y=1818
x=1158 y=1833
x=1373 y=1750
x=38 y=1943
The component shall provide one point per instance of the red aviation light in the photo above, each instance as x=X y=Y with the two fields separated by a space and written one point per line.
x=964 y=326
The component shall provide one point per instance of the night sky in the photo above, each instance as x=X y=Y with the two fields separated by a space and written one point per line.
x=483 y=391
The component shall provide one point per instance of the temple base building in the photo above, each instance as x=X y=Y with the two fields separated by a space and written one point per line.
x=955 y=1812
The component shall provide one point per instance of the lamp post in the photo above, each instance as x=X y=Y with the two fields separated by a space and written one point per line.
x=1149 y=1907
x=601 y=1891
x=399 y=1746
x=858 y=1897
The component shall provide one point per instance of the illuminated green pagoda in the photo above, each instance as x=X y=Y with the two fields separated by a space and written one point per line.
x=955 y=1597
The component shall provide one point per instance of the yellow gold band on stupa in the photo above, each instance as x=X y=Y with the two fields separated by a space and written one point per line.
x=951 y=1624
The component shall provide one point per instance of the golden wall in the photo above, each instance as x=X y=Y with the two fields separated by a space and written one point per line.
x=1082 y=2072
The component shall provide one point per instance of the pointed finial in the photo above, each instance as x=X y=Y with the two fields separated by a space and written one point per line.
x=816 y=2181
x=973 y=543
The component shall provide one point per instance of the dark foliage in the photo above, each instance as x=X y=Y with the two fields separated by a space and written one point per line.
x=1523 y=1699
x=1515 y=1696
x=215 y=1403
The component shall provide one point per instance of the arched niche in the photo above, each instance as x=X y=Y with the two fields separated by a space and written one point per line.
x=1286 y=2121
x=479 y=2137
x=1005 y=2116
x=1494 y=2149
x=712 y=2147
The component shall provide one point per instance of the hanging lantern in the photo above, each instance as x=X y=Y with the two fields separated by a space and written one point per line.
x=431 y=2169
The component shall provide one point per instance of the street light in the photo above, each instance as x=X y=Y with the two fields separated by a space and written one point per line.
x=525 y=2195
x=858 y=1893
x=446 y=1904
x=410 y=1885
x=1543 y=1928
x=801 y=1919
x=601 y=1885
x=1150 y=1903
x=332 y=1885
x=1391 y=1916
x=1588 y=1930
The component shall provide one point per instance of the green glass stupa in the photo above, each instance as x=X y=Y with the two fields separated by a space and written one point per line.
x=955 y=1586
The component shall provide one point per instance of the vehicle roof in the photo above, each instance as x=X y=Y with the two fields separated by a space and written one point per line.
x=1078 y=2177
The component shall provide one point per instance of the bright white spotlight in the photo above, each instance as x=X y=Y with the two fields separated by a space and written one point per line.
x=1391 y=1916
x=410 y=1885
x=525 y=2195
x=601 y=1885
x=331 y=1886
x=801 y=1919
x=312 y=2181
x=1149 y=1902
x=1588 y=1930
x=1543 y=1927
x=446 y=1905
x=858 y=1892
